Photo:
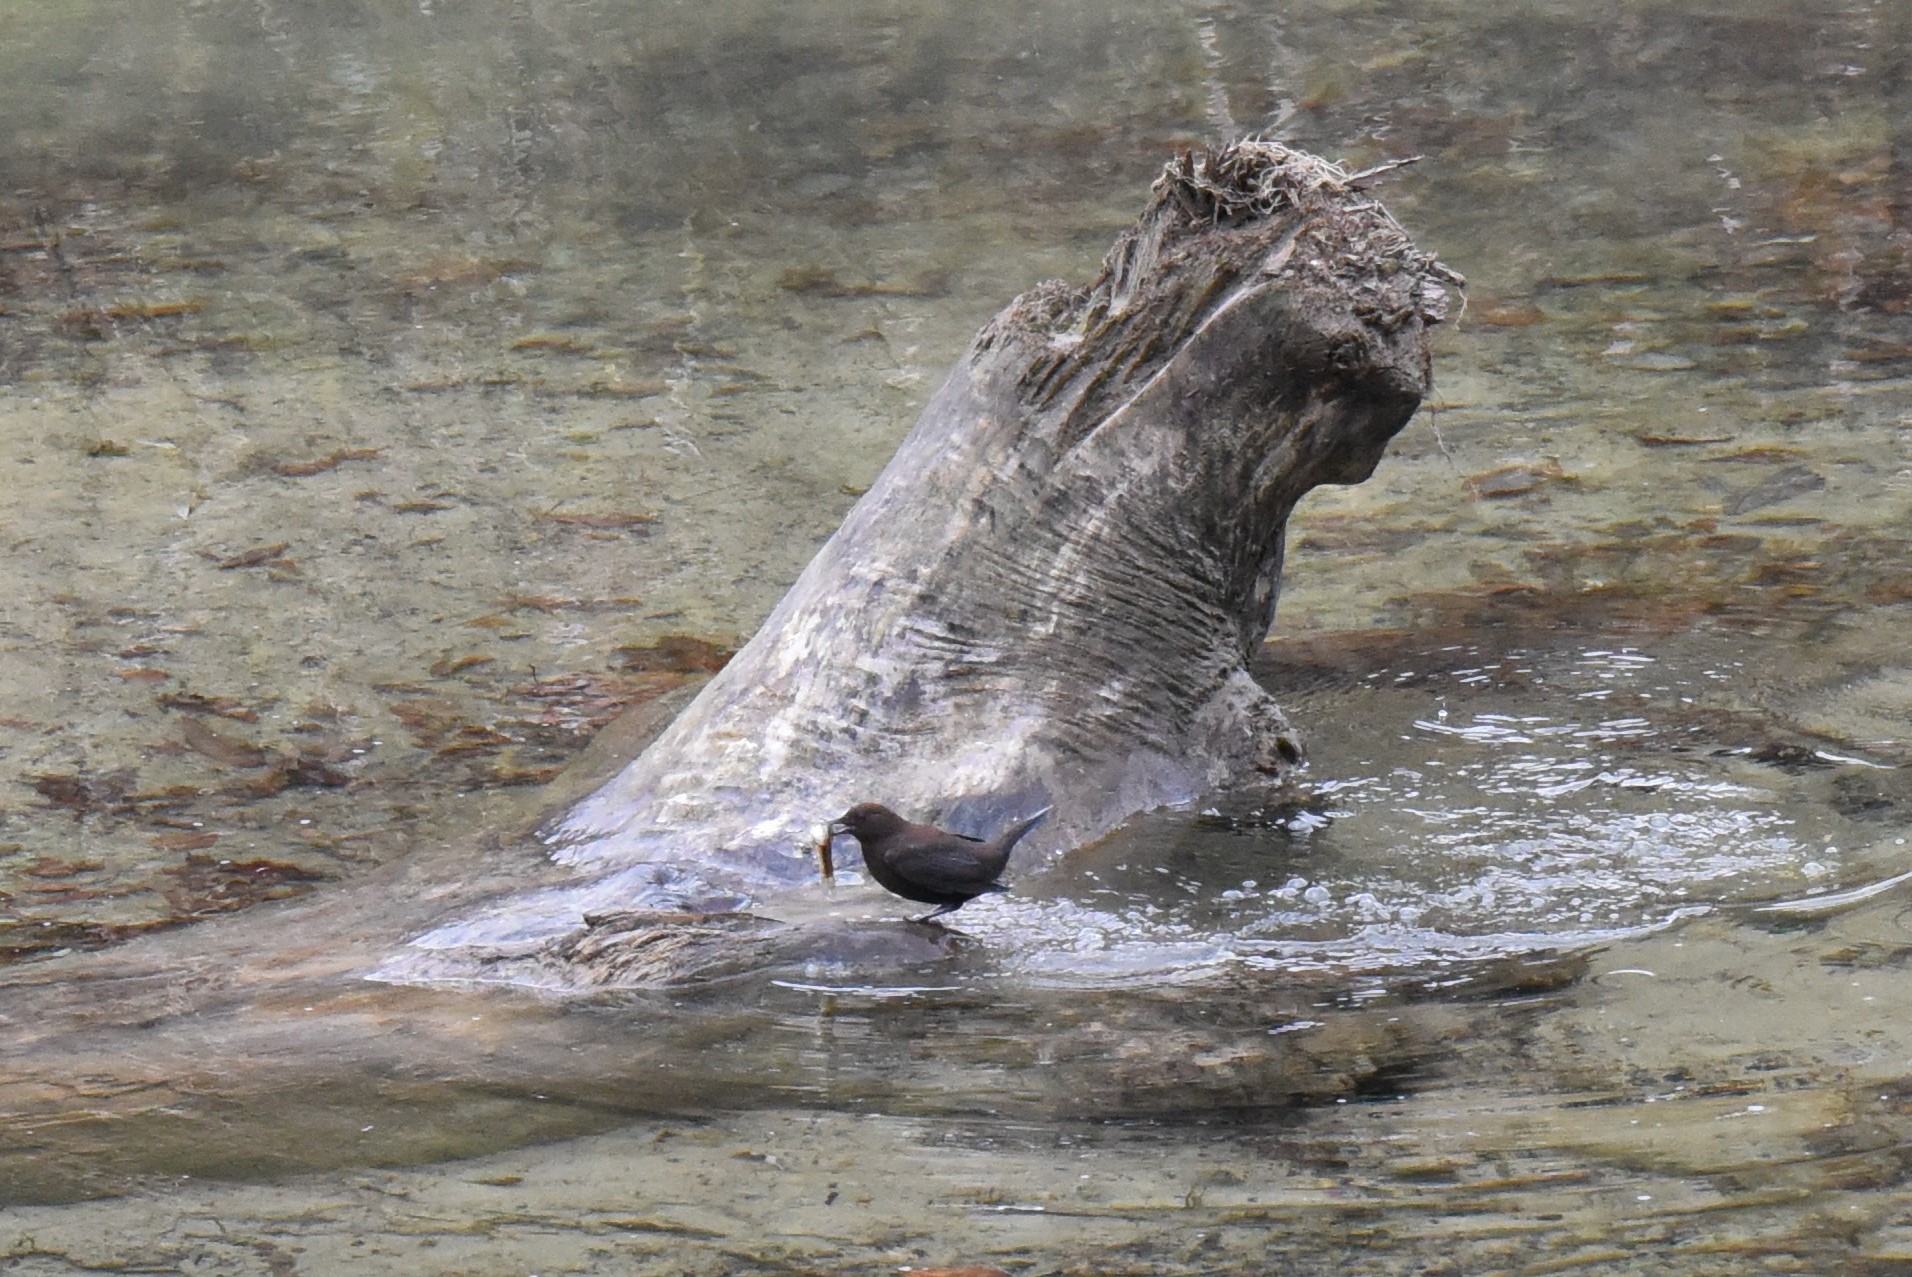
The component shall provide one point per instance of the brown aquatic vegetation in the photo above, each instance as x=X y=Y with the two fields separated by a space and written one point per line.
x=616 y=388
x=820 y=281
x=1782 y=485
x=256 y=556
x=582 y=703
x=203 y=885
x=102 y=322
x=674 y=654
x=185 y=840
x=81 y=793
x=22 y=940
x=330 y=461
x=554 y=345
x=52 y=867
x=431 y=721
x=230 y=751
x=220 y=706
x=556 y=711
x=1679 y=441
x=459 y=271
x=1516 y=480
x=1759 y=455
x=611 y=521
x=445 y=667
x=1506 y=314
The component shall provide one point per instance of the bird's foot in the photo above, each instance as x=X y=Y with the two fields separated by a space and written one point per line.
x=929 y=919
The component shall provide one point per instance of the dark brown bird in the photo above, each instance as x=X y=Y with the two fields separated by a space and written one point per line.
x=923 y=863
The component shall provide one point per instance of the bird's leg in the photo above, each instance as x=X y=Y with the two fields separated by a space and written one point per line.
x=937 y=912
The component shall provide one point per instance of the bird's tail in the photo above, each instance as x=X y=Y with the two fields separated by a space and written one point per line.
x=1015 y=833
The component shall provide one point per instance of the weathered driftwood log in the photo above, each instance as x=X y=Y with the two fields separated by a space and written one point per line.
x=1050 y=595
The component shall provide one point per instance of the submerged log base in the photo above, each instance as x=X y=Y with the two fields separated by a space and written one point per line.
x=1050 y=595
x=642 y=948
x=647 y=949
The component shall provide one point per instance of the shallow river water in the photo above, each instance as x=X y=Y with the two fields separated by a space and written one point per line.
x=390 y=394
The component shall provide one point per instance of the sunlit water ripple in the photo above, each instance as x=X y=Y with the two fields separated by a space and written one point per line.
x=1457 y=836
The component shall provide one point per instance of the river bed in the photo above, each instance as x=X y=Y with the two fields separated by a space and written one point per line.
x=393 y=398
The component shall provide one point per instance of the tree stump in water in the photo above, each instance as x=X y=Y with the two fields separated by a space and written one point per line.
x=1051 y=594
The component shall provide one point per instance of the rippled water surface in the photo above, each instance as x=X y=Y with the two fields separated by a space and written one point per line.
x=390 y=394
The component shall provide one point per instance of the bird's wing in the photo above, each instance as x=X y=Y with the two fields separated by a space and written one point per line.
x=942 y=867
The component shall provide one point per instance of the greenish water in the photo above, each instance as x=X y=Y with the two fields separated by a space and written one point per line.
x=371 y=375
